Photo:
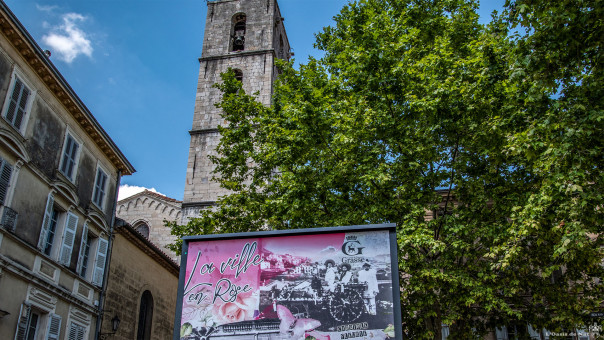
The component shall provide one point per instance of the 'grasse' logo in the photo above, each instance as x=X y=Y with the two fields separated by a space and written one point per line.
x=352 y=246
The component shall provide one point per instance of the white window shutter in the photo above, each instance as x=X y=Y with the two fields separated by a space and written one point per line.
x=18 y=103
x=76 y=332
x=69 y=232
x=14 y=100
x=46 y=223
x=24 y=314
x=501 y=333
x=82 y=248
x=73 y=332
x=21 y=107
x=533 y=333
x=100 y=186
x=5 y=172
x=99 y=264
x=54 y=327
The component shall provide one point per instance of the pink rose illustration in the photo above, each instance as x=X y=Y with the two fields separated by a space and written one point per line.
x=239 y=310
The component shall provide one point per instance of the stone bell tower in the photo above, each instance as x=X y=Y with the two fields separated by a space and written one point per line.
x=247 y=36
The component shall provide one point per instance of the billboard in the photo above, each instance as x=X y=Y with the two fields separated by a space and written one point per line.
x=309 y=284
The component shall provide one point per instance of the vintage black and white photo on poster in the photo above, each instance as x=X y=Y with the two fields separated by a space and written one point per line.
x=344 y=280
x=324 y=286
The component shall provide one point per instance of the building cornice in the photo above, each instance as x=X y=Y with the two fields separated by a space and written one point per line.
x=203 y=131
x=26 y=274
x=152 y=195
x=203 y=204
x=238 y=54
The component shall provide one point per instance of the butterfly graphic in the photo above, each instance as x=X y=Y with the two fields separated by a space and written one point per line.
x=296 y=327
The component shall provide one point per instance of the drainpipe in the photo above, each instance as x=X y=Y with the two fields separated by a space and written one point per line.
x=99 y=317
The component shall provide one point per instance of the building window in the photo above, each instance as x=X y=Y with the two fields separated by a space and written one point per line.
x=76 y=332
x=69 y=160
x=238 y=33
x=143 y=229
x=32 y=328
x=49 y=214
x=50 y=233
x=29 y=326
x=57 y=223
x=145 y=316
x=100 y=188
x=92 y=257
x=18 y=102
x=518 y=331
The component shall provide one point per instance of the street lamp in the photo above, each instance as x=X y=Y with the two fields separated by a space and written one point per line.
x=115 y=323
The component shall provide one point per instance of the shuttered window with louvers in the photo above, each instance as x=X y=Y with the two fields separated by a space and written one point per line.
x=54 y=327
x=71 y=223
x=70 y=155
x=46 y=222
x=23 y=323
x=100 y=187
x=5 y=171
x=76 y=332
x=18 y=104
x=99 y=263
x=84 y=250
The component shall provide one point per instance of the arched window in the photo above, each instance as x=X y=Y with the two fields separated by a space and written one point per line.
x=143 y=229
x=238 y=74
x=145 y=316
x=238 y=32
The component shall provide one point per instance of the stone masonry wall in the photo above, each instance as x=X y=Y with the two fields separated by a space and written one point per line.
x=132 y=272
x=152 y=209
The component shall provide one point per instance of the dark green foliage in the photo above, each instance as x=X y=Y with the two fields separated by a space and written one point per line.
x=484 y=146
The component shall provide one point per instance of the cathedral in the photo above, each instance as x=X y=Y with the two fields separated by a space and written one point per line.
x=247 y=36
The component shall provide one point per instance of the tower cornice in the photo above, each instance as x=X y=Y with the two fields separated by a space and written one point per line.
x=238 y=54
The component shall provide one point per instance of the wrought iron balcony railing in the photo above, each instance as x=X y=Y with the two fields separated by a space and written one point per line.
x=9 y=218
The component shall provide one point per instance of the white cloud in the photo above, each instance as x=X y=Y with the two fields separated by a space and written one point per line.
x=48 y=9
x=68 y=40
x=131 y=190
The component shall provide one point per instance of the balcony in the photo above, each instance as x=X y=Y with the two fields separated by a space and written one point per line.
x=9 y=218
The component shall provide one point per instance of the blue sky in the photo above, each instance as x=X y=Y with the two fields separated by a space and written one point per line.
x=134 y=63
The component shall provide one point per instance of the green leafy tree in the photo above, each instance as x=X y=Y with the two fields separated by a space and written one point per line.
x=483 y=146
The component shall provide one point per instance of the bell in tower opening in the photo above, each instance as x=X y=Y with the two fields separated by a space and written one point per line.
x=239 y=32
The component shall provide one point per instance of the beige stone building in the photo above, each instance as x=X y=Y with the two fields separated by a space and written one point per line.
x=141 y=289
x=59 y=174
x=146 y=212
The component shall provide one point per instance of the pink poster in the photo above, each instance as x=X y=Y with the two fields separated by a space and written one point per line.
x=312 y=286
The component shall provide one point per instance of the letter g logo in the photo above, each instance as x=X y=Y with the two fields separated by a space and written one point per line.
x=352 y=248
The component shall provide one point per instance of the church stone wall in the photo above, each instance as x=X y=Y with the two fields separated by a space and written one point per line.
x=152 y=209
x=132 y=272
